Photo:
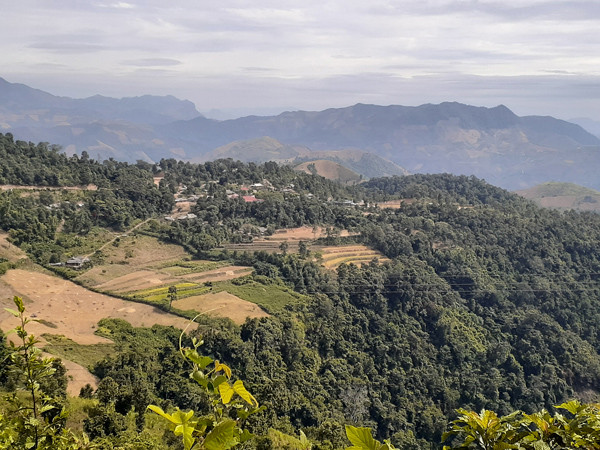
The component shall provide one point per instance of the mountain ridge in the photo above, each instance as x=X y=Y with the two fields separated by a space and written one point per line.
x=266 y=148
x=492 y=143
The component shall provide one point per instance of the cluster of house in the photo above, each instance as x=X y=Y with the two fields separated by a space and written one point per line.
x=248 y=193
x=184 y=217
x=76 y=262
x=245 y=192
x=58 y=205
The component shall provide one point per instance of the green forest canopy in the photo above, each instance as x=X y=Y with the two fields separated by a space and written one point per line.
x=488 y=301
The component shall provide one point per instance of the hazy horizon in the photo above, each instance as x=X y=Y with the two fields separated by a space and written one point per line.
x=537 y=57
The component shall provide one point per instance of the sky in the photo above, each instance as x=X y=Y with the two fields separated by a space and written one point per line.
x=235 y=57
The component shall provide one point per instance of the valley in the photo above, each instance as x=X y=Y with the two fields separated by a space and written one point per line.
x=412 y=296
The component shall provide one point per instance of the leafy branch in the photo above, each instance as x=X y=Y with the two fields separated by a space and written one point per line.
x=222 y=427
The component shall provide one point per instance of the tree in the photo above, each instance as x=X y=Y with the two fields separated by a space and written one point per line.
x=284 y=247
x=232 y=404
x=172 y=295
x=35 y=419
x=302 y=249
x=577 y=427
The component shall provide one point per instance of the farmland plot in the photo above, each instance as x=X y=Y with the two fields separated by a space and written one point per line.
x=222 y=304
x=334 y=256
x=66 y=309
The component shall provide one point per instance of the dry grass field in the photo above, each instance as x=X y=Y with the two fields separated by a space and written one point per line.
x=130 y=255
x=67 y=309
x=143 y=268
x=8 y=251
x=141 y=279
x=181 y=209
x=302 y=234
x=221 y=304
x=395 y=204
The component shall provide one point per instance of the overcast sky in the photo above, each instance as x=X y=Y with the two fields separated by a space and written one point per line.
x=267 y=56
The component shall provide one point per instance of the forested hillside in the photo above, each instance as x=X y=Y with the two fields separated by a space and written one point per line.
x=488 y=301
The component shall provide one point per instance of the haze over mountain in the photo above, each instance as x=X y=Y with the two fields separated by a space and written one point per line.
x=593 y=126
x=266 y=148
x=492 y=143
x=563 y=196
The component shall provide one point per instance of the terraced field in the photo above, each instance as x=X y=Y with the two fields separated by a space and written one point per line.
x=292 y=236
x=143 y=269
x=334 y=256
x=139 y=263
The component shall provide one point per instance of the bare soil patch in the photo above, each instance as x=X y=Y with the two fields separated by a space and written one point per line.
x=78 y=376
x=181 y=209
x=222 y=304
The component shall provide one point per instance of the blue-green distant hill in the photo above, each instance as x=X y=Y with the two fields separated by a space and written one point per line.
x=563 y=196
x=492 y=143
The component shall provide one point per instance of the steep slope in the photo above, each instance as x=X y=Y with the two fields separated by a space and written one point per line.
x=21 y=105
x=265 y=149
x=104 y=127
x=257 y=150
x=492 y=143
x=330 y=170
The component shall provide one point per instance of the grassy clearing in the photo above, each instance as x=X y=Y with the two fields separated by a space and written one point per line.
x=84 y=355
x=273 y=298
x=183 y=290
x=84 y=245
x=77 y=412
x=179 y=268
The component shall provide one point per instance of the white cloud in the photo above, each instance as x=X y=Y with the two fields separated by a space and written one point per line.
x=312 y=54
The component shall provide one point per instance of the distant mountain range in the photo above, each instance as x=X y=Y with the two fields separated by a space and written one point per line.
x=266 y=148
x=492 y=143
